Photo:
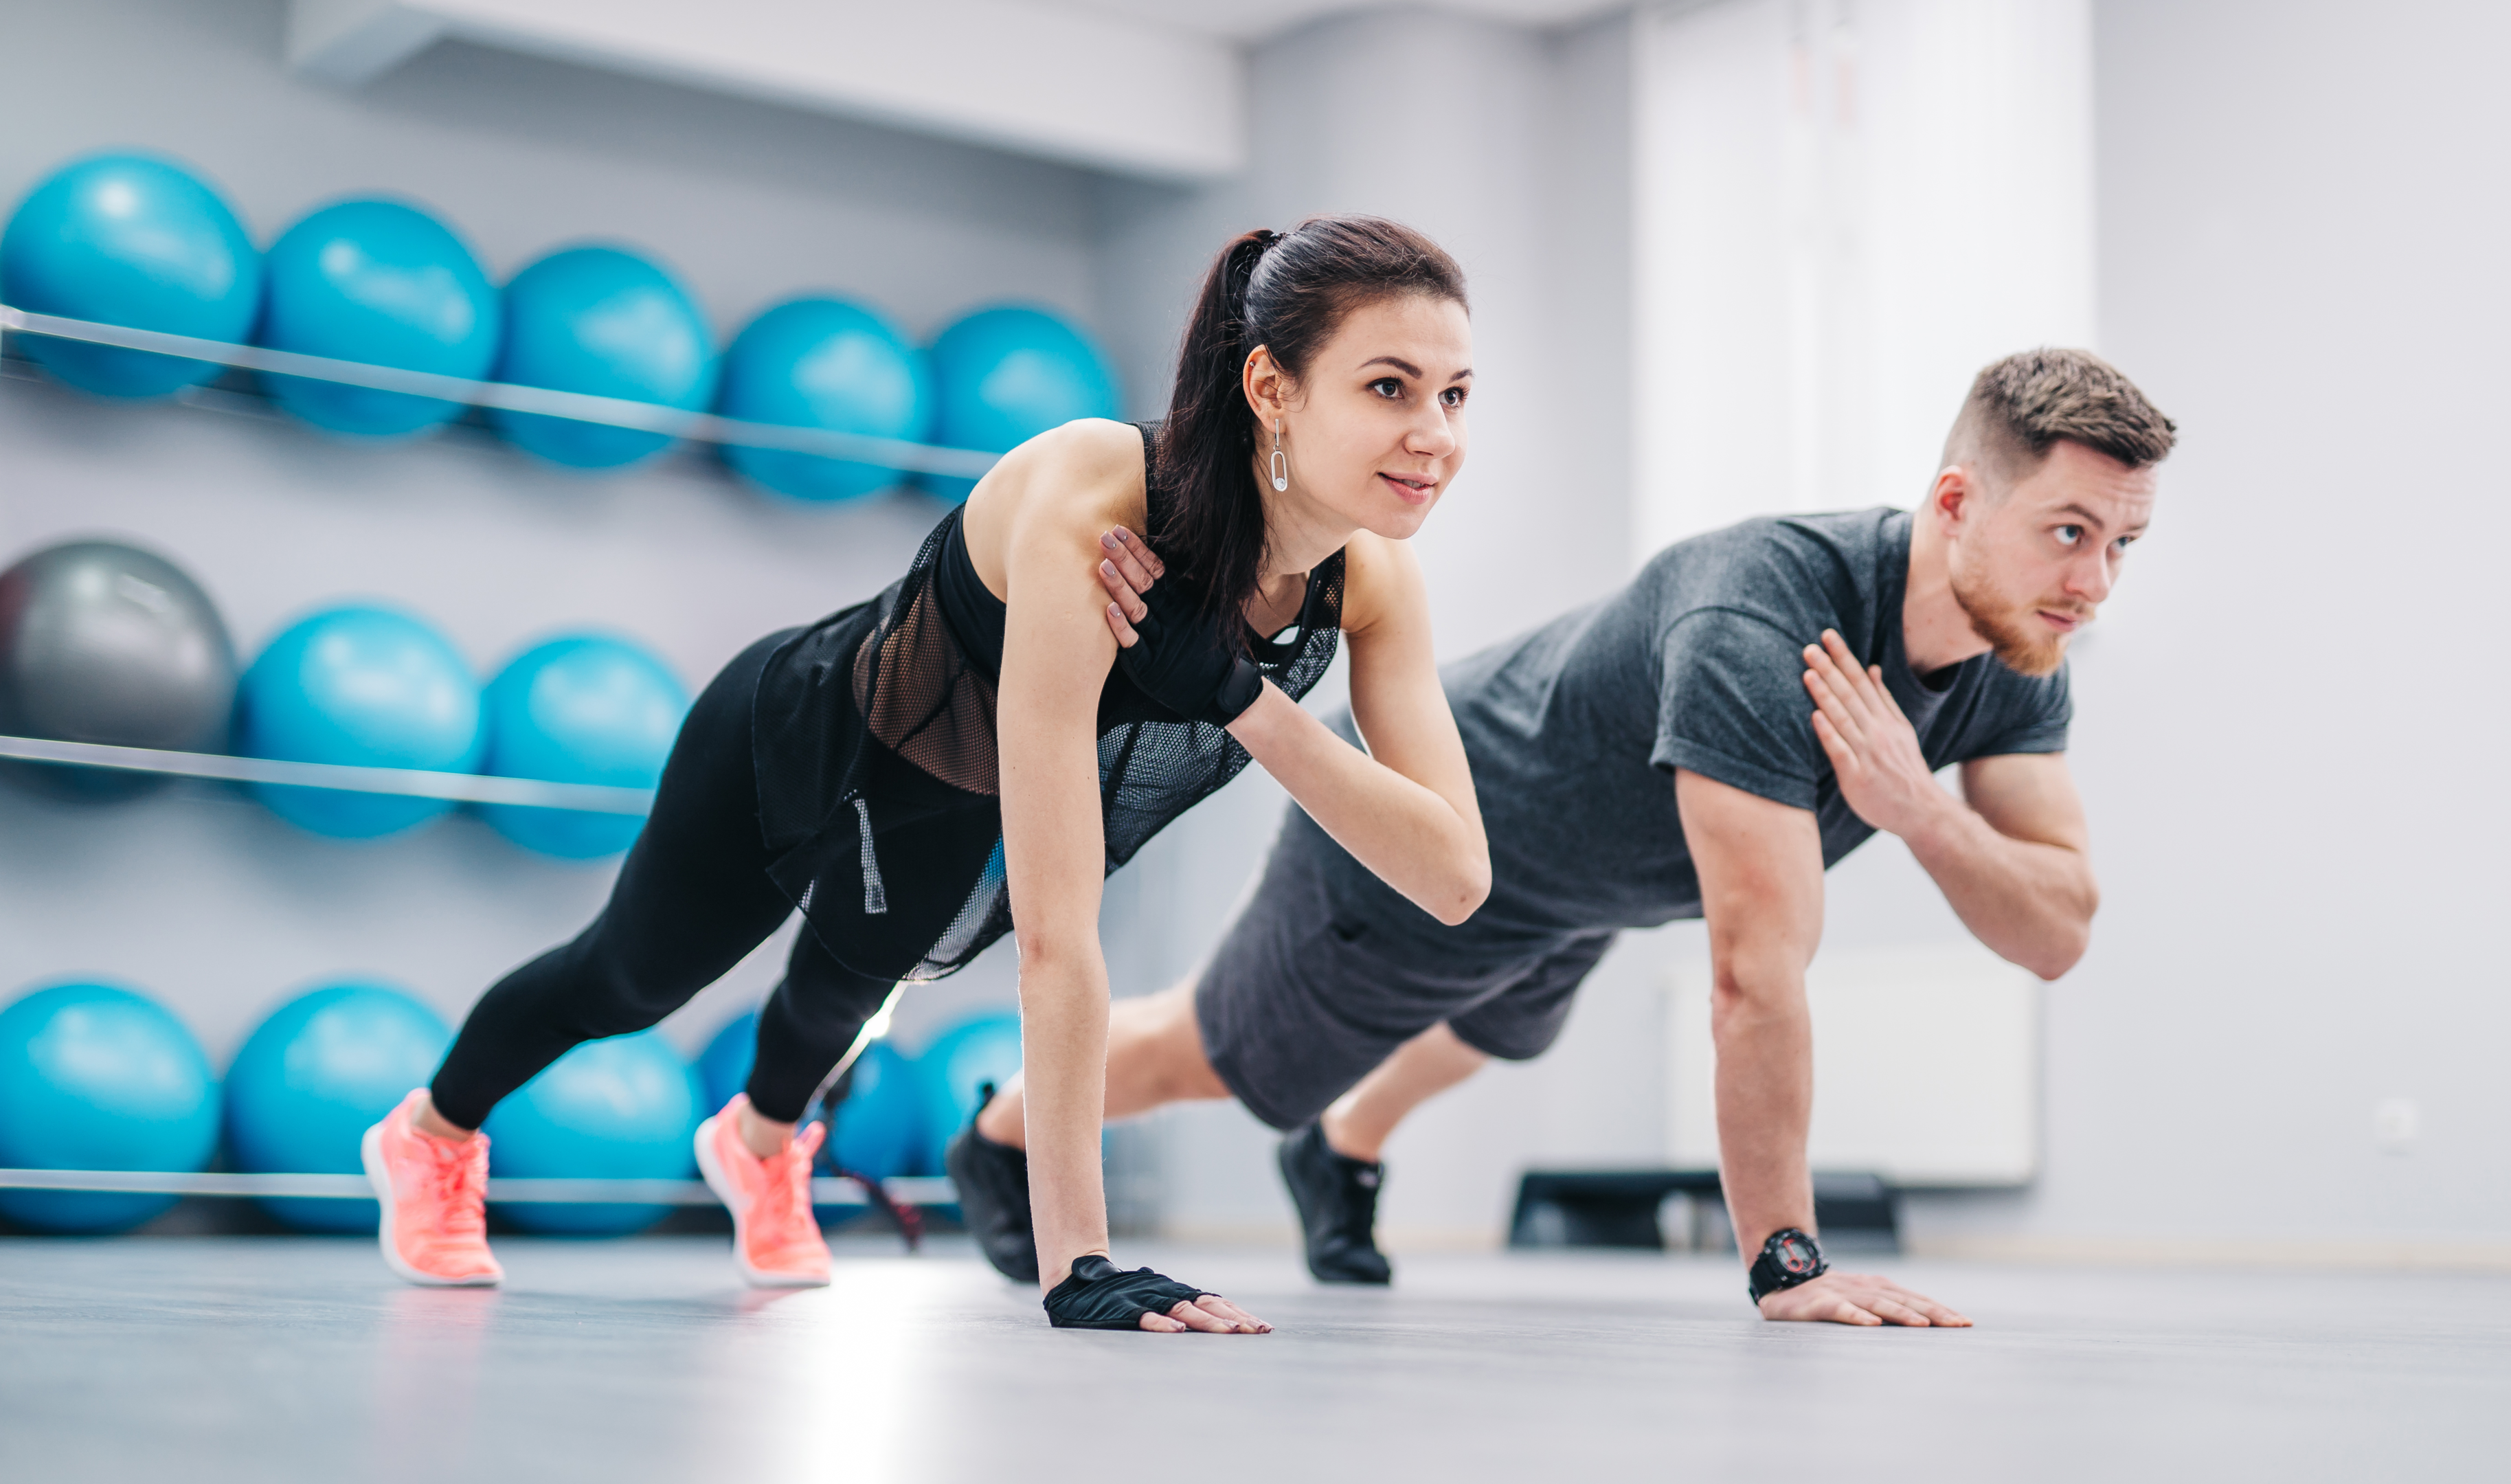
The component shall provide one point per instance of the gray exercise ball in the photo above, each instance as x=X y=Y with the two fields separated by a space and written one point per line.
x=105 y=643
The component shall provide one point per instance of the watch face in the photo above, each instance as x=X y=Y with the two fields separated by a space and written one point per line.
x=1796 y=1256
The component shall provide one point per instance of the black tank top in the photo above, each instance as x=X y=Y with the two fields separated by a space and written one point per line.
x=877 y=770
x=977 y=617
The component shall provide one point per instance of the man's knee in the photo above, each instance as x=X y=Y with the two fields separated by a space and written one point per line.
x=1155 y=1051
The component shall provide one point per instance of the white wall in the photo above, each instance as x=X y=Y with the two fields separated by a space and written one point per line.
x=2287 y=737
x=203 y=898
x=1844 y=211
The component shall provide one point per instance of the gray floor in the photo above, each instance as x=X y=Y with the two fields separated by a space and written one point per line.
x=269 y=1358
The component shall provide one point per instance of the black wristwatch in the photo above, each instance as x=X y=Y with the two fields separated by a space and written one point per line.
x=1789 y=1258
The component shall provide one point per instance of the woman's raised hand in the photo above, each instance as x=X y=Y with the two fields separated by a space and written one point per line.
x=1178 y=657
x=1128 y=571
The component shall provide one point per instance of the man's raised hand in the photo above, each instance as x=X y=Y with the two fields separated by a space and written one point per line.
x=1874 y=749
x=1858 y=1297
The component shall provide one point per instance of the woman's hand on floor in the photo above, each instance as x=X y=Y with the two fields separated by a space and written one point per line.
x=1211 y=1314
x=1094 y=1293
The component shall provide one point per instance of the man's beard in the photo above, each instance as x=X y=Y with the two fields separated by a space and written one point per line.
x=2013 y=633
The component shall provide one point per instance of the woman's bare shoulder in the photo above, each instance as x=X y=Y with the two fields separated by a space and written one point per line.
x=1381 y=580
x=1084 y=476
x=1077 y=467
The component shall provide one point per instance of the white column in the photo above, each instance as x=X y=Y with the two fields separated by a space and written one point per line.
x=1843 y=208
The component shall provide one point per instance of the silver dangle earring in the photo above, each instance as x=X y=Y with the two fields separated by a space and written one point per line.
x=1281 y=465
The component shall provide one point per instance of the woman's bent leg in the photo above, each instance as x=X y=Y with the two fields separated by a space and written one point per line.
x=750 y=1154
x=808 y=1026
x=693 y=898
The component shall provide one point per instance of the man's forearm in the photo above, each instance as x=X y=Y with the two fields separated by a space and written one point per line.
x=2030 y=902
x=2009 y=854
x=1765 y=1038
x=1761 y=895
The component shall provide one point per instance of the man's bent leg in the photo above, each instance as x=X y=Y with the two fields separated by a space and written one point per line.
x=1154 y=1058
x=1359 y=1121
x=1332 y=1165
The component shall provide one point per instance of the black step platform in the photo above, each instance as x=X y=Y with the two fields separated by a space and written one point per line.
x=1618 y=1208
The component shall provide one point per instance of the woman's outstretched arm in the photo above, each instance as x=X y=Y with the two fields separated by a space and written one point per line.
x=1056 y=656
x=1405 y=808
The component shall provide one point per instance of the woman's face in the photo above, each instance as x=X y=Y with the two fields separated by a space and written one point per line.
x=1376 y=431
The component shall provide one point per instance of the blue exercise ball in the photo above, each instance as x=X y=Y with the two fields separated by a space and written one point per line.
x=1001 y=376
x=723 y=1066
x=361 y=686
x=878 y=1130
x=951 y=1072
x=610 y=324
x=823 y=363
x=583 y=708
x=387 y=283
x=314 y=1076
x=132 y=240
x=621 y=1109
x=94 y=1078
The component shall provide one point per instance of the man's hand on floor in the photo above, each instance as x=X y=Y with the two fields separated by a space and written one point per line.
x=1858 y=1297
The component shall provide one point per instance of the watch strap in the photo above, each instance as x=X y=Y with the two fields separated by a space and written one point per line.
x=1789 y=1258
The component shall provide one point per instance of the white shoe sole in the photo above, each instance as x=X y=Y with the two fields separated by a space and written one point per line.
x=729 y=1193
x=370 y=1153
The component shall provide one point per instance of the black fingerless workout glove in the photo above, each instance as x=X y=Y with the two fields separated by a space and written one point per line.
x=1184 y=660
x=1100 y=1295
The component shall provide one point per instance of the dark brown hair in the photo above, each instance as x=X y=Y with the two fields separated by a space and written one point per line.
x=1287 y=292
x=2022 y=405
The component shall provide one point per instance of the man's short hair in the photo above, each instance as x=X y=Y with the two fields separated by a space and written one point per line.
x=2018 y=407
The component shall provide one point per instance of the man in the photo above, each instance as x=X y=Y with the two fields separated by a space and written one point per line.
x=1705 y=742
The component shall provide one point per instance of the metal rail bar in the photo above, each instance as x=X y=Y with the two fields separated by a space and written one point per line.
x=578 y=406
x=465 y=788
x=915 y=1191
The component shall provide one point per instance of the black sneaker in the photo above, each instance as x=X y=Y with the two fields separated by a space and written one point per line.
x=1337 y=1200
x=993 y=1180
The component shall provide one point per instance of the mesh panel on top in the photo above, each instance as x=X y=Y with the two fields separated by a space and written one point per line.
x=878 y=770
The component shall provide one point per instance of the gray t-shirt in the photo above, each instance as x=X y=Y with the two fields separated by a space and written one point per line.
x=1574 y=730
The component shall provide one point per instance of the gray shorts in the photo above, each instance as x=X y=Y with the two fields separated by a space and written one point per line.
x=1305 y=996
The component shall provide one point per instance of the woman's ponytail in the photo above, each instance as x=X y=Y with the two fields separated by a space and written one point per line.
x=1209 y=439
x=1288 y=293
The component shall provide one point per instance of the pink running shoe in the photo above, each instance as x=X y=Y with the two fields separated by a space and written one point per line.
x=774 y=1237
x=435 y=1196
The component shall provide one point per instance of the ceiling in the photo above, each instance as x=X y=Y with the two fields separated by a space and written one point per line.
x=1256 y=19
x=1149 y=88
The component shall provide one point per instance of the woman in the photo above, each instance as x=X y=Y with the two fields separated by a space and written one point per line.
x=1006 y=725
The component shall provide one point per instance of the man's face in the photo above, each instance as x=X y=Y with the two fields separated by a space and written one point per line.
x=2031 y=569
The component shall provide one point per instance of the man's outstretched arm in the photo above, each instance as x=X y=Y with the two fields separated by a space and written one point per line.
x=2012 y=860
x=1760 y=890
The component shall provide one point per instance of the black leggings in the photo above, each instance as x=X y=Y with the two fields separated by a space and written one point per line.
x=692 y=900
